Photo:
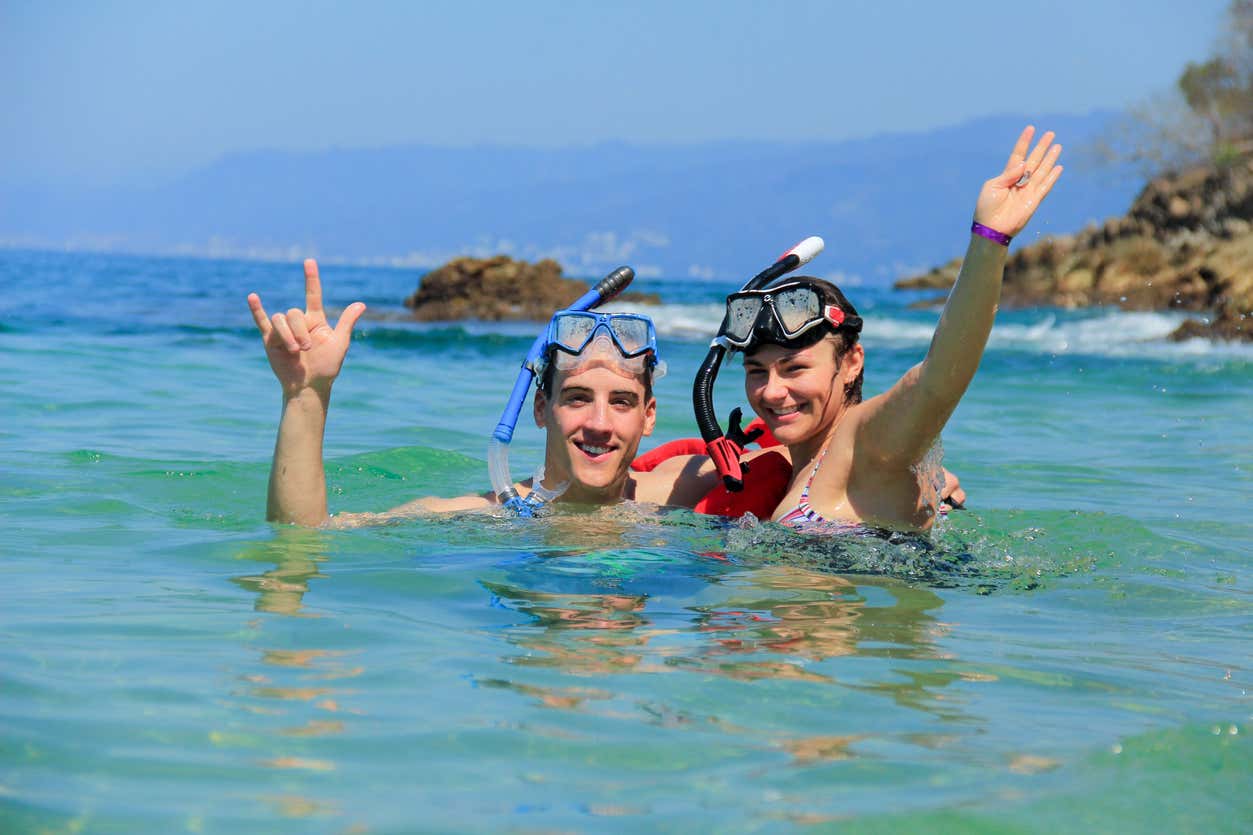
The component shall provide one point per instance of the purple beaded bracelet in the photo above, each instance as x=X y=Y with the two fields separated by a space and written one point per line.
x=990 y=233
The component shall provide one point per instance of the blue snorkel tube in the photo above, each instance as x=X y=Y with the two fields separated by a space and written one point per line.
x=498 y=448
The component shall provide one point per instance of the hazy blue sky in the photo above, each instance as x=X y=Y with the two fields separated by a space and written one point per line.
x=105 y=91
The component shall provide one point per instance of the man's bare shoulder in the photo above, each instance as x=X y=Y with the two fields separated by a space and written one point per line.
x=676 y=481
x=457 y=504
x=683 y=480
x=425 y=506
x=678 y=464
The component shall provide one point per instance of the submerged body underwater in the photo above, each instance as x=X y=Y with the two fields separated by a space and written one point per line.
x=1071 y=652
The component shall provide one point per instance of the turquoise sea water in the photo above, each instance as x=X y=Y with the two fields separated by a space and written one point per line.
x=1073 y=653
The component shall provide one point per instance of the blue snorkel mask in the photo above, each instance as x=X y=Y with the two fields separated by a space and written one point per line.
x=564 y=331
x=625 y=340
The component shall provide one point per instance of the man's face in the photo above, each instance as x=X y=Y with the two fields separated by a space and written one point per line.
x=595 y=420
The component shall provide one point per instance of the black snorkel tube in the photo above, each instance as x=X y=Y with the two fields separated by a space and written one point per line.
x=498 y=448
x=725 y=451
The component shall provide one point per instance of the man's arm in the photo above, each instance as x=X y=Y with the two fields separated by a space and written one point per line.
x=426 y=506
x=306 y=355
x=297 y=492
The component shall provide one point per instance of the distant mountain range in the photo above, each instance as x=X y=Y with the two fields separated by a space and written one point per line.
x=886 y=206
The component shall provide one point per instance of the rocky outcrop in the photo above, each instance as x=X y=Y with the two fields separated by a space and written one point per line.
x=498 y=288
x=1186 y=243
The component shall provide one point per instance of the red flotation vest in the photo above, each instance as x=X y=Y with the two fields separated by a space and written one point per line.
x=763 y=489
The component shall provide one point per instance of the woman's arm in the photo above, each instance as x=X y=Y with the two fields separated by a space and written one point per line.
x=902 y=423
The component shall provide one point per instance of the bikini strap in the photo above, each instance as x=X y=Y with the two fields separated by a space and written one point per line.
x=814 y=472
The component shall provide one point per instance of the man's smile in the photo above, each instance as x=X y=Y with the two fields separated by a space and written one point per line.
x=594 y=450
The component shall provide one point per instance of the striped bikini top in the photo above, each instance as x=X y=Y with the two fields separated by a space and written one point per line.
x=805 y=519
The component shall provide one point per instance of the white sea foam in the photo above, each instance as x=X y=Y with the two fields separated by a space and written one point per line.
x=685 y=322
x=1112 y=333
x=881 y=329
x=1108 y=334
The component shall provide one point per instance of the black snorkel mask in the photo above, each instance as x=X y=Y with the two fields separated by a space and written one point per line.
x=725 y=449
x=781 y=314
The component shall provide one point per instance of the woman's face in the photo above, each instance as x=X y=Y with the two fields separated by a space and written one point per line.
x=798 y=393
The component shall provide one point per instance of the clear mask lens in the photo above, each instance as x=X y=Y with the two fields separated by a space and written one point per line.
x=631 y=334
x=573 y=331
x=741 y=316
x=624 y=342
x=797 y=308
x=785 y=313
x=602 y=352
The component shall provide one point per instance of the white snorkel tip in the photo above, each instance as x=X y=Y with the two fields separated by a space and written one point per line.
x=807 y=250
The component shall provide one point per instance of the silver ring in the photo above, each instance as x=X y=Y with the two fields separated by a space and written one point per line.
x=1023 y=180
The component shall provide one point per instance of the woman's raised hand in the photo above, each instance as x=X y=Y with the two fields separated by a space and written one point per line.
x=1008 y=200
x=304 y=350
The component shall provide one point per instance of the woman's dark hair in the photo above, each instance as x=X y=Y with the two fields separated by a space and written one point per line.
x=845 y=337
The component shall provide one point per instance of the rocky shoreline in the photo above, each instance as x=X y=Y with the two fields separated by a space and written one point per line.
x=1185 y=244
x=500 y=289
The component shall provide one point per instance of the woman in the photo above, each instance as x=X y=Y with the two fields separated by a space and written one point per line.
x=858 y=463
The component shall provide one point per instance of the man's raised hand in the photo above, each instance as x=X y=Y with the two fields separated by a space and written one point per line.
x=303 y=349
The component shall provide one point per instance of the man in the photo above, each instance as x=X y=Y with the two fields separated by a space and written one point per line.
x=594 y=402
